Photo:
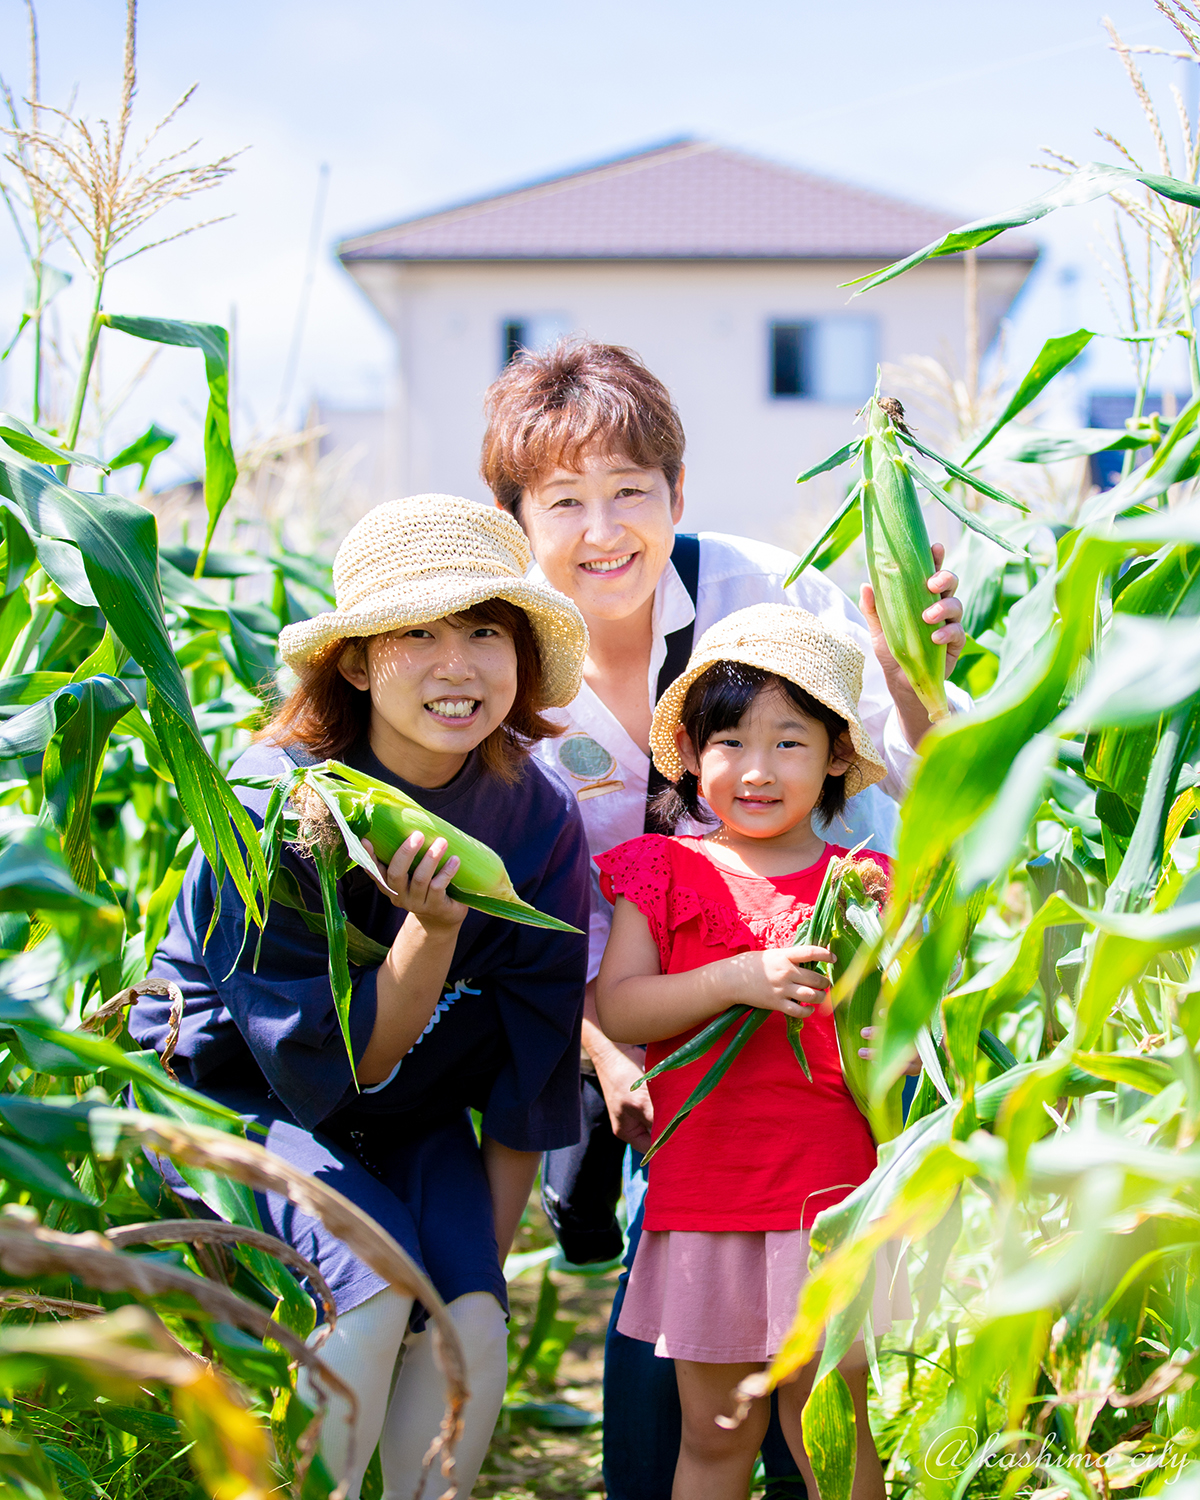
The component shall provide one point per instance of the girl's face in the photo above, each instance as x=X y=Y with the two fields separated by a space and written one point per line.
x=763 y=778
x=437 y=690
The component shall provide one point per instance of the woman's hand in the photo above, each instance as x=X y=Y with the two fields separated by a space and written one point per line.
x=944 y=615
x=630 y=1113
x=777 y=979
x=913 y=1067
x=421 y=890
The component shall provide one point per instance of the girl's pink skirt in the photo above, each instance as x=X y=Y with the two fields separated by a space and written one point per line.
x=730 y=1297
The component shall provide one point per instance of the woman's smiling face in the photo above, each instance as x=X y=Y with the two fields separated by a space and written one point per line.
x=437 y=690
x=602 y=533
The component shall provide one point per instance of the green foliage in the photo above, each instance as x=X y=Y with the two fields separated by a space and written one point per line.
x=1044 y=923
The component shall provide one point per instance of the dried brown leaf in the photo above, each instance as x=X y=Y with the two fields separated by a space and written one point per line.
x=28 y=1250
x=120 y=1002
x=217 y=1232
x=254 y=1166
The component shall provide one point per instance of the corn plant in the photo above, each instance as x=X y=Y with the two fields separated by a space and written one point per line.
x=131 y=1332
x=1044 y=922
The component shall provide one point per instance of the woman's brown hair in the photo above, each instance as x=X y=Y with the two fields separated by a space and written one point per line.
x=328 y=715
x=546 y=409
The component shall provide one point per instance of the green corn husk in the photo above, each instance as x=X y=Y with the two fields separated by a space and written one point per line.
x=856 y=919
x=363 y=808
x=816 y=930
x=900 y=561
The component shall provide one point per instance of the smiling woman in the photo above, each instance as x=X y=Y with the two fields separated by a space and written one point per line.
x=432 y=675
x=481 y=666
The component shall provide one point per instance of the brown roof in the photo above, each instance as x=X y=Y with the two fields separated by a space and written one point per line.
x=686 y=200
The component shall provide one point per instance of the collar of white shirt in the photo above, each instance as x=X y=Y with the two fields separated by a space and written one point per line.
x=673 y=609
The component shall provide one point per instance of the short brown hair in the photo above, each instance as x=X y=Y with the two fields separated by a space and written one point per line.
x=328 y=715
x=546 y=409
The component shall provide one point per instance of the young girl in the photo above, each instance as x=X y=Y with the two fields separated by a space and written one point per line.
x=432 y=675
x=764 y=726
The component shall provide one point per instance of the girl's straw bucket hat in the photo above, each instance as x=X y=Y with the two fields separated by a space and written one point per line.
x=411 y=561
x=791 y=643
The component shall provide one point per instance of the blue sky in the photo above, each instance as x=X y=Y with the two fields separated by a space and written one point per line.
x=415 y=106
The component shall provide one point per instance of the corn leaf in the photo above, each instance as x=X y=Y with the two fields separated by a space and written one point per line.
x=42 y=447
x=40 y=1171
x=118 y=540
x=745 y=1031
x=834 y=461
x=335 y=932
x=1088 y=183
x=158 y=909
x=220 y=465
x=960 y=512
x=841 y=522
x=829 y=1436
x=143 y=451
x=34 y=876
x=1055 y=355
x=1042 y=445
x=86 y=714
x=972 y=481
x=1144 y=667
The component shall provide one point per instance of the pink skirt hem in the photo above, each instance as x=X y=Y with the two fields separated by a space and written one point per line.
x=730 y=1297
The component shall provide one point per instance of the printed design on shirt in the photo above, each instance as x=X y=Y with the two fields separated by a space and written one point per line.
x=450 y=995
x=585 y=760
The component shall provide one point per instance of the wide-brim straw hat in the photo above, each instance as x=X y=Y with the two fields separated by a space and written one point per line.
x=411 y=561
x=791 y=643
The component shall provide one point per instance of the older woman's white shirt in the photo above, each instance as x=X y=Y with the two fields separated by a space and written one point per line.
x=734 y=573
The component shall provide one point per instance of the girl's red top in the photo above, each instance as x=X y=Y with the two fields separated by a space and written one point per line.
x=766 y=1149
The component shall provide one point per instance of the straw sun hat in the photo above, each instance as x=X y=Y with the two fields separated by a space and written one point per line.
x=791 y=643
x=411 y=561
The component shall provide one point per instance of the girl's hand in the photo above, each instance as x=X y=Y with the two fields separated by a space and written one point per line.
x=777 y=979
x=421 y=890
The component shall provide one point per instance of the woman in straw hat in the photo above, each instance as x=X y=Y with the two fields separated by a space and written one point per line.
x=432 y=674
x=764 y=726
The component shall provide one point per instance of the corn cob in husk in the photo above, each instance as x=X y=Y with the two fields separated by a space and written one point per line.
x=361 y=807
x=900 y=561
x=860 y=888
x=364 y=808
x=899 y=557
x=847 y=905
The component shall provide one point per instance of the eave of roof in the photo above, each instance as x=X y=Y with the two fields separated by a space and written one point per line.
x=681 y=201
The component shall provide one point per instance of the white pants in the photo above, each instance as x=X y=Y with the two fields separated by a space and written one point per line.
x=401 y=1395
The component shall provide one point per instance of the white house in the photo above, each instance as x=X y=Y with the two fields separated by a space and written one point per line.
x=720 y=269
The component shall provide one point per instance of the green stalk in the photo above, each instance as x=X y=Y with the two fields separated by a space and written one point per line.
x=698 y=1045
x=85 y=374
x=40 y=617
x=37 y=348
x=714 y=1075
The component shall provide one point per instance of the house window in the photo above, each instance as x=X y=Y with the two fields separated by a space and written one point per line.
x=823 y=359
x=534 y=332
x=513 y=340
x=791 y=359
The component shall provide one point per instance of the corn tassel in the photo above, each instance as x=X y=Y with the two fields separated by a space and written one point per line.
x=900 y=561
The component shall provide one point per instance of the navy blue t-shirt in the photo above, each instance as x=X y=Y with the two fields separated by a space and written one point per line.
x=505 y=1036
